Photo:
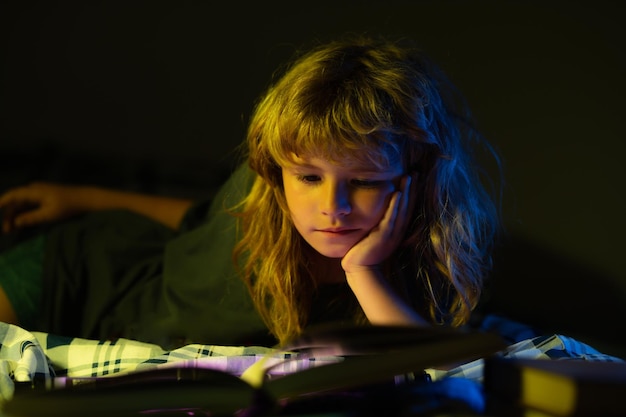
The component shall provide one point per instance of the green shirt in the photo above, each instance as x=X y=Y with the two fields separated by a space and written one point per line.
x=118 y=274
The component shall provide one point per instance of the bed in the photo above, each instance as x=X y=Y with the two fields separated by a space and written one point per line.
x=37 y=359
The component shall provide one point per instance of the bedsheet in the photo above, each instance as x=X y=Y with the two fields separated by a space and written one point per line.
x=37 y=357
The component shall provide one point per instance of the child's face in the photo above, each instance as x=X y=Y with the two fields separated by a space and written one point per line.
x=333 y=206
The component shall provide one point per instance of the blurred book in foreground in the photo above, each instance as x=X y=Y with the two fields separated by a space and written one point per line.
x=553 y=387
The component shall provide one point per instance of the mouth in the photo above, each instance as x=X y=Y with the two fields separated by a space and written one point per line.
x=339 y=231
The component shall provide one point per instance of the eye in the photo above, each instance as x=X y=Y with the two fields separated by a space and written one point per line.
x=309 y=179
x=361 y=183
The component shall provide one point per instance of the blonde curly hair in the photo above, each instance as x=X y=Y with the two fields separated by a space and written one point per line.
x=372 y=100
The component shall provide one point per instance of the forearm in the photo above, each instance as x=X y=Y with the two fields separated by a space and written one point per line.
x=166 y=210
x=379 y=301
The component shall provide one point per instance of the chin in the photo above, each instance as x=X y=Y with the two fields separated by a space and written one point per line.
x=334 y=253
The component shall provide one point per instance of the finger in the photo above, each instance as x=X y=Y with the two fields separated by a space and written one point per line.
x=386 y=232
x=387 y=222
x=5 y=199
x=7 y=214
x=400 y=204
x=29 y=218
x=18 y=196
x=17 y=216
x=407 y=195
x=412 y=190
x=15 y=202
x=7 y=224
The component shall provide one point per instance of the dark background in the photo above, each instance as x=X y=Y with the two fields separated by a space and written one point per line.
x=154 y=95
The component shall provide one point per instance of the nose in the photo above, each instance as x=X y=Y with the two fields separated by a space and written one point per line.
x=335 y=199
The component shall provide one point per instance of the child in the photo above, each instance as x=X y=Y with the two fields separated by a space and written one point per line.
x=359 y=202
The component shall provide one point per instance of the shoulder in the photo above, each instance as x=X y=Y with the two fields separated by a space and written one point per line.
x=233 y=191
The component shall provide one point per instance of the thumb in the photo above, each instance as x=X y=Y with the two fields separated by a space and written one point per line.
x=28 y=218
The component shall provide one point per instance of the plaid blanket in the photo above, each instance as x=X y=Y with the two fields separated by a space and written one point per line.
x=42 y=357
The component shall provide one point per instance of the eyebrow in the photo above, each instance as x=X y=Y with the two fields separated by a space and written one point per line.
x=303 y=165
x=355 y=169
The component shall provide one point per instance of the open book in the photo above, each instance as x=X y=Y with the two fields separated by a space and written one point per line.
x=329 y=359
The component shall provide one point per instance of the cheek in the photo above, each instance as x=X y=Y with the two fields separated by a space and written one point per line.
x=289 y=194
x=297 y=203
x=373 y=205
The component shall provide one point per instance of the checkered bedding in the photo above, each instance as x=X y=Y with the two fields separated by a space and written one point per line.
x=42 y=357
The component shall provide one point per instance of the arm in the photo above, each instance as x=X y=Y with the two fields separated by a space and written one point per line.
x=42 y=202
x=379 y=301
x=166 y=210
x=377 y=298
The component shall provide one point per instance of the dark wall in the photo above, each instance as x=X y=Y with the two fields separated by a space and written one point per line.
x=153 y=95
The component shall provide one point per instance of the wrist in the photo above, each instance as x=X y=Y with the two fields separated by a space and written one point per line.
x=362 y=273
x=357 y=269
x=88 y=198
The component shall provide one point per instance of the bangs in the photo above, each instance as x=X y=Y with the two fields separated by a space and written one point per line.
x=338 y=143
x=338 y=106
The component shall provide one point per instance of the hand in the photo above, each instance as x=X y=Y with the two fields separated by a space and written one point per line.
x=385 y=237
x=37 y=203
x=379 y=301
